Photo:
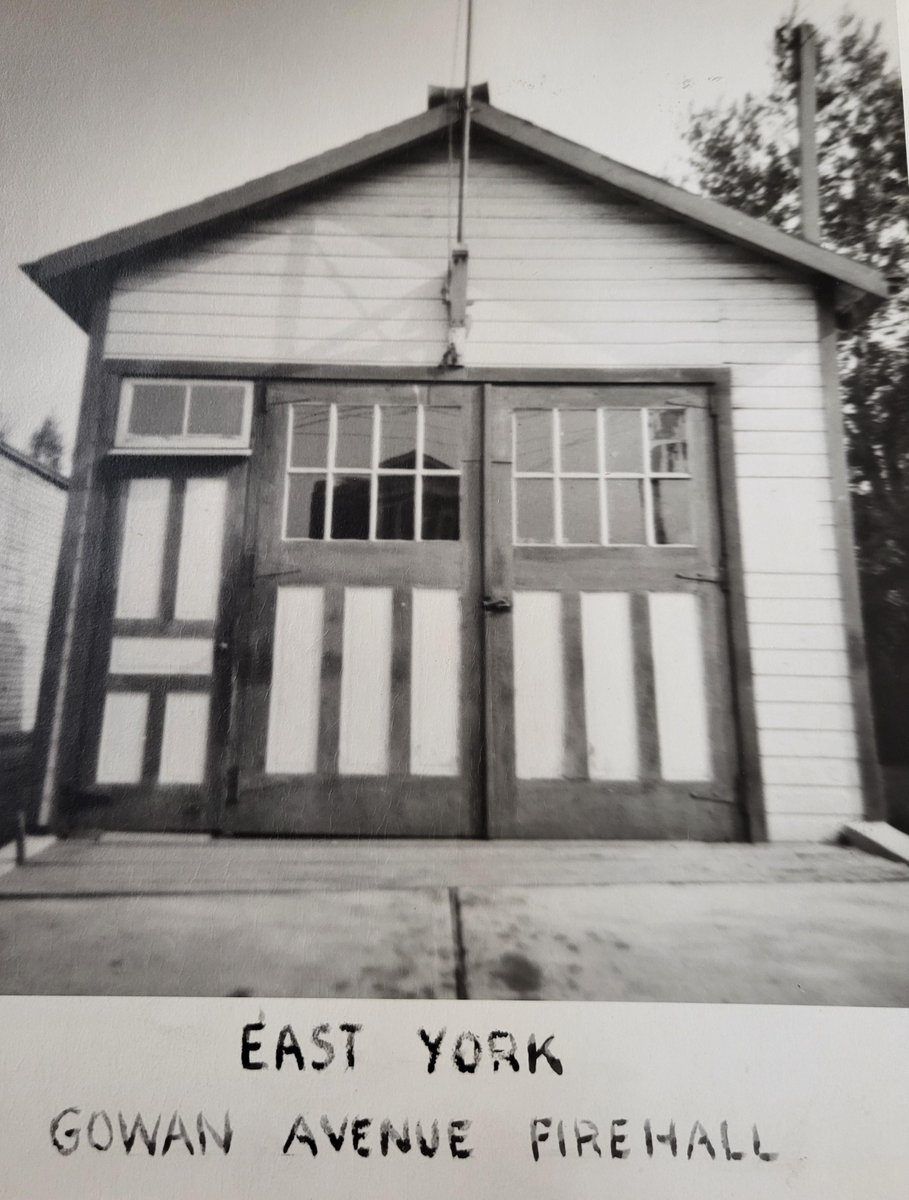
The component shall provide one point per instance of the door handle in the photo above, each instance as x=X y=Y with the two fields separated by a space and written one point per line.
x=496 y=604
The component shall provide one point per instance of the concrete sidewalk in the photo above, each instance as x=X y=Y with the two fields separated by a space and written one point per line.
x=578 y=920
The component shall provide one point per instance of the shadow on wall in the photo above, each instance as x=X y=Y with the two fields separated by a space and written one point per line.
x=15 y=743
x=896 y=790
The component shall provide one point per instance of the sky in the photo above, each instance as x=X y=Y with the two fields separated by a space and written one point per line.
x=112 y=111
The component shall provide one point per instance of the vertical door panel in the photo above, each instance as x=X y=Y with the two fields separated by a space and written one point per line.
x=365 y=682
x=293 y=712
x=609 y=686
x=435 y=682
x=681 y=697
x=142 y=555
x=539 y=686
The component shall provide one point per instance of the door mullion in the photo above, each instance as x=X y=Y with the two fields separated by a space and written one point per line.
x=498 y=583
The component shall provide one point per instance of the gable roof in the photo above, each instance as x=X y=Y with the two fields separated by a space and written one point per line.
x=73 y=277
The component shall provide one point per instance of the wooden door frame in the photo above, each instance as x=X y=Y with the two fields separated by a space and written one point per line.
x=512 y=817
x=719 y=382
x=142 y=806
x=255 y=647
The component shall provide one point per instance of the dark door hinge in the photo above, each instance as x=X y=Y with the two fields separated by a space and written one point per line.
x=700 y=577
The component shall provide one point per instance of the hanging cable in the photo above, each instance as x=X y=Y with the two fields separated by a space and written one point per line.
x=452 y=117
x=465 y=141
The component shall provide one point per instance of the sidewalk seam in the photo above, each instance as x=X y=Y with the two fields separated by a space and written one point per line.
x=460 y=953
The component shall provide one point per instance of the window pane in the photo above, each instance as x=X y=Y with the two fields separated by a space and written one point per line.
x=579 y=439
x=441 y=517
x=668 y=442
x=305 y=506
x=580 y=511
x=395 y=516
x=309 y=447
x=535 y=519
x=442 y=439
x=157 y=409
x=399 y=438
x=625 y=508
x=534 y=441
x=350 y=508
x=217 y=411
x=672 y=512
x=354 y=436
x=624 y=451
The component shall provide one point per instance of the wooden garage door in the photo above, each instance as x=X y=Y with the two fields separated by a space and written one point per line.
x=609 y=699
x=362 y=681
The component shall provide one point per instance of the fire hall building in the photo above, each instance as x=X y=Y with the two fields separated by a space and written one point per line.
x=339 y=561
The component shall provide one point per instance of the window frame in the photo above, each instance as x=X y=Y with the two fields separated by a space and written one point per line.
x=374 y=472
x=556 y=476
x=184 y=443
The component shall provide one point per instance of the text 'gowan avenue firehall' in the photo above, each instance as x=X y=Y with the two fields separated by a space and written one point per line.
x=539 y=533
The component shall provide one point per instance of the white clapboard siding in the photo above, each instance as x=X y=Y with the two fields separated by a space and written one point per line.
x=561 y=274
x=767 y=636
x=802 y=689
x=782 y=420
x=795 y=612
x=793 y=717
x=796 y=743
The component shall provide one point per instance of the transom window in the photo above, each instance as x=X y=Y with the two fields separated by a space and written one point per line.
x=184 y=417
x=372 y=472
x=601 y=477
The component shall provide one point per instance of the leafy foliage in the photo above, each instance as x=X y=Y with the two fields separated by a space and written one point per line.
x=746 y=154
x=46 y=444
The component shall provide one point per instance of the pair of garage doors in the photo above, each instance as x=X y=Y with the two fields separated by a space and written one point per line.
x=423 y=610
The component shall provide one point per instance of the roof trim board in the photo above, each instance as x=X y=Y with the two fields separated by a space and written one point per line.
x=709 y=215
x=73 y=276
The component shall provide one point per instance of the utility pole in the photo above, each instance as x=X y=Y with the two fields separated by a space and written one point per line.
x=806 y=84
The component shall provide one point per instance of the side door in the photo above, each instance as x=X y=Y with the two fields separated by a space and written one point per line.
x=609 y=699
x=361 y=668
x=156 y=718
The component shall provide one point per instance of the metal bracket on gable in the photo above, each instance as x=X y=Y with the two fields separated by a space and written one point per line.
x=454 y=293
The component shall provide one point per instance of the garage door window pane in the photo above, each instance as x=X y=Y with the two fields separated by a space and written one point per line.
x=533 y=437
x=625 y=505
x=579 y=440
x=395 y=516
x=305 y=506
x=672 y=512
x=624 y=448
x=535 y=520
x=580 y=512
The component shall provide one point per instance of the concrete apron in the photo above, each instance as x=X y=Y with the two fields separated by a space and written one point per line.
x=175 y=915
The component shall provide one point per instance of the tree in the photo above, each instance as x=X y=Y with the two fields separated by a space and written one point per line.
x=46 y=444
x=746 y=154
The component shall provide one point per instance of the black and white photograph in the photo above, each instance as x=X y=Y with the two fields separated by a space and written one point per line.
x=454 y=500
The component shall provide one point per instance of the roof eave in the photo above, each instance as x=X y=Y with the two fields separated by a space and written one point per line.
x=74 y=277
x=860 y=284
x=61 y=274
